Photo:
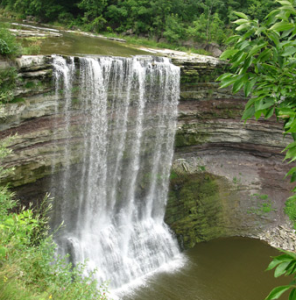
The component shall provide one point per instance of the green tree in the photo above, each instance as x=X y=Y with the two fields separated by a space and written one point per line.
x=8 y=44
x=174 y=31
x=200 y=32
x=210 y=7
x=153 y=18
x=262 y=63
x=93 y=13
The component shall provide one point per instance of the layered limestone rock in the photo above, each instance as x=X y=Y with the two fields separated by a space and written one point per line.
x=227 y=176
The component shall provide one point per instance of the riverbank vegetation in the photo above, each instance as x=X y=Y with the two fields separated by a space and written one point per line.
x=8 y=44
x=10 y=48
x=28 y=269
x=173 y=21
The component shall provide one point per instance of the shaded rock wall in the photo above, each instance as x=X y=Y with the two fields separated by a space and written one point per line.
x=227 y=176
x=32 y=117
x=241 y=163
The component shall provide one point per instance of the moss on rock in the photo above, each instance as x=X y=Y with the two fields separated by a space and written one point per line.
x=194 y=209
x=184 y=139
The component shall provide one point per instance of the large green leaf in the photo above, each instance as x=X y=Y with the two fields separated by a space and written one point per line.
x=250 y=103
x=293 y=170
x=248 y=113
x=249 y=86
x=264 y=103
x=269 y=113
x=239 y=83
x=238 y=57
x=247 y=64
x=241 y=21
x=228 y=53
x=277 y=292
x=242 y=27
x=242 y=45
x=291 y=145
x=281 y=269
x=285 y=111
x=258 y=114
x=264 y=54
x=241 y=15
x=291 y=154
x=227 y=82
x=289 y=51
x=248 y=34
x=257 y=48
x=292 y=295
x=278 y=260
x=232 y=39
x=224 y=76
x=292 y=265
x=274 y=36
x=285 y=3
x=282 y=26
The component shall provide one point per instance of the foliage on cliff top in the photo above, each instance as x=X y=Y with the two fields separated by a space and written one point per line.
x=175 y=20
x=10 y=48
x=8 y=44
x=28 y=270
x=263 y=61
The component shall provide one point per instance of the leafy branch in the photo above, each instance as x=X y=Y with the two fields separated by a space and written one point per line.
x=262 y=57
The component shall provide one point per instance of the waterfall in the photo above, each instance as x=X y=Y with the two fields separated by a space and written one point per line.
x=120 y=115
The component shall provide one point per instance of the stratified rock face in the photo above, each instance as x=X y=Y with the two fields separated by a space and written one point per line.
x=227 y=177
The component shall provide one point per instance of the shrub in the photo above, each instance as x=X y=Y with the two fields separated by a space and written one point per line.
x=7 y=84
x=8 y=45
x=28 y=267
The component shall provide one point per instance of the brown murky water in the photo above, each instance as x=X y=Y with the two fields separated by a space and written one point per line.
x=77 y=45
x=222 y=269
x=71 y=44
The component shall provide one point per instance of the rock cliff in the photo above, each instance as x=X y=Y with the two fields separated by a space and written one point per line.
x=227 y=177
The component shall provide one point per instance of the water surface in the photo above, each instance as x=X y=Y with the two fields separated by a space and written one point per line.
x=78 y=45
x=222 y=269
x=75 y=44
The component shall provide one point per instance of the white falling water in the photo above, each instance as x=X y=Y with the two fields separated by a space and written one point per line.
x=113 y=201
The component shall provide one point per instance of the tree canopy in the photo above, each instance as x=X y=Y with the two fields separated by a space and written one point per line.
x=175 y=20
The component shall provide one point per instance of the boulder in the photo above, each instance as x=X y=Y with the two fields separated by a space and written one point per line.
x=213 y=48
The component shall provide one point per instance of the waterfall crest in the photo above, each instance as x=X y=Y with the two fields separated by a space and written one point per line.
x=113 y=201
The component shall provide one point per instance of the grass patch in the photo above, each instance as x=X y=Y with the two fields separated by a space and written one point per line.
x=263 y=206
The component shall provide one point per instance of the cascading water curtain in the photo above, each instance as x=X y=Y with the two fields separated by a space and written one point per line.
x=119 y=115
